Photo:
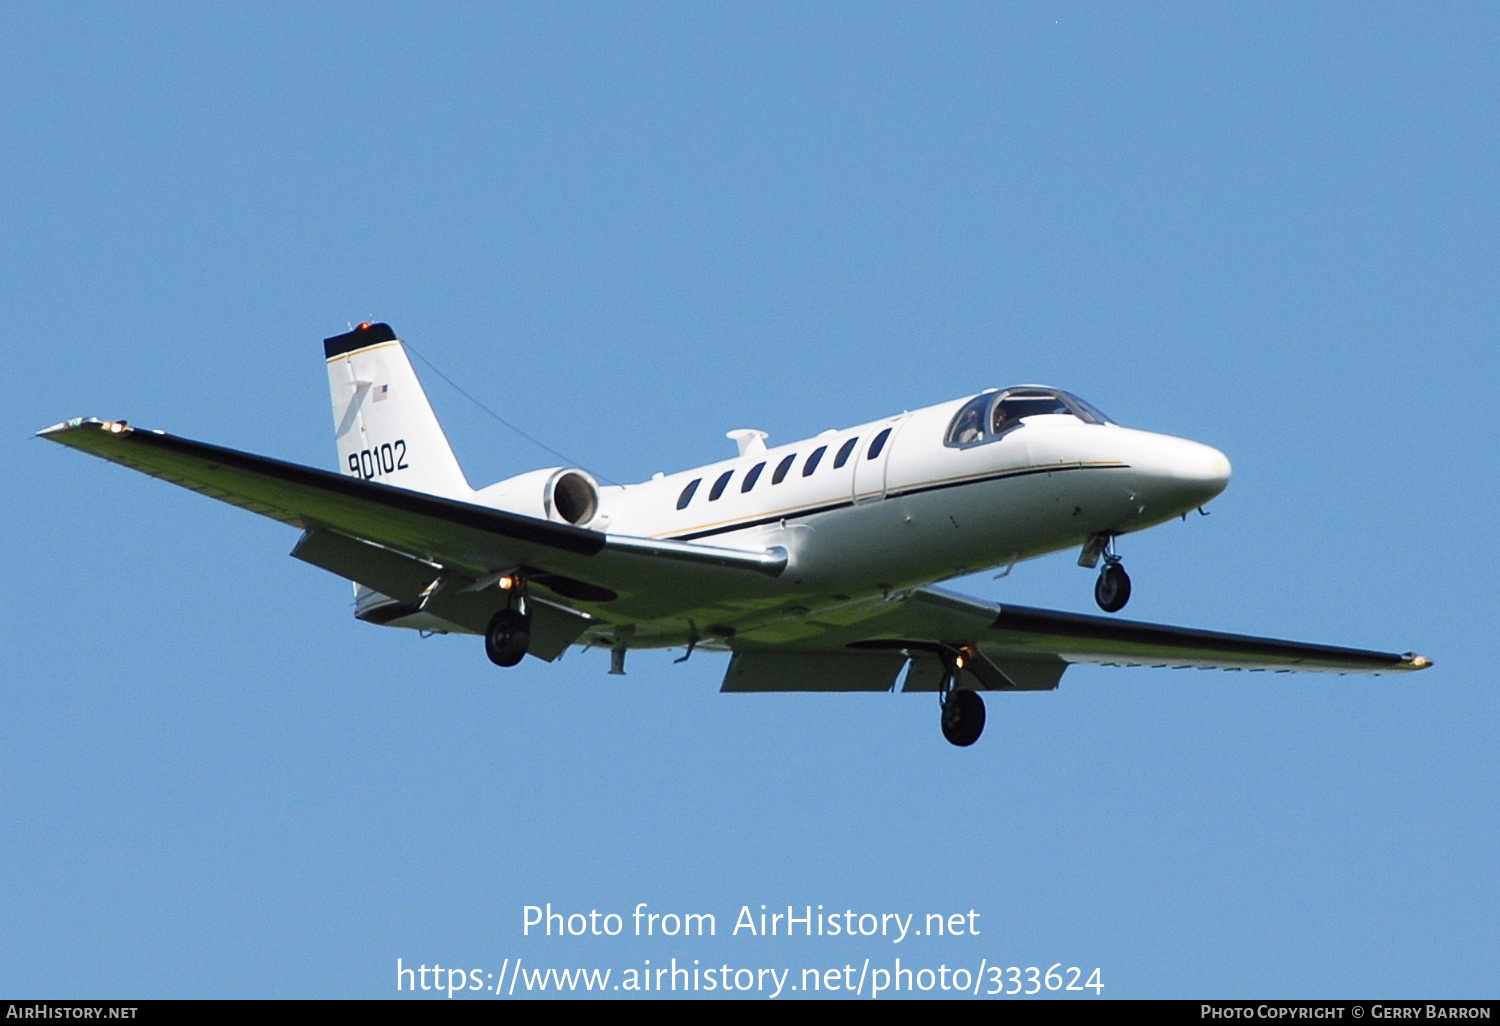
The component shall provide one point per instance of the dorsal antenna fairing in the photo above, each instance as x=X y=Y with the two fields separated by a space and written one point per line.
x=749 y=440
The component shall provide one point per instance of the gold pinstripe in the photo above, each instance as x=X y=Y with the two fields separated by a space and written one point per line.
x=794 y=510
x=366 y=349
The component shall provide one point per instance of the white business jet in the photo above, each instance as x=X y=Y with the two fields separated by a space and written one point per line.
x=812 y=563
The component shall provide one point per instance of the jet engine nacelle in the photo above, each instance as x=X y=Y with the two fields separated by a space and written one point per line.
x=561 y=494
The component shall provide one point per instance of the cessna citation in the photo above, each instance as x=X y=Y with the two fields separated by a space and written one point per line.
x=813 y=563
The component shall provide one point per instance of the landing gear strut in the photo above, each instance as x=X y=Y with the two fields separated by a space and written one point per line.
x=507 y=637
x=962 y=717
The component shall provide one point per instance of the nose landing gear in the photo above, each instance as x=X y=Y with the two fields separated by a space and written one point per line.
x=1112 y=589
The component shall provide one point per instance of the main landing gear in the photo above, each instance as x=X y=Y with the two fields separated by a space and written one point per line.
x=1112 y=589
x=508 y=635
x=962 y=717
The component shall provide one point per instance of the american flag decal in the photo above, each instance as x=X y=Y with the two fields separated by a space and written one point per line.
x=381 y=392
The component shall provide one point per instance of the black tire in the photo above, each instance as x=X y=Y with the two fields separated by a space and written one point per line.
x=507 y=638
x=963 y=718
x=1112 y=589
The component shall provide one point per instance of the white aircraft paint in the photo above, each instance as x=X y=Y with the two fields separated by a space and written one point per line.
x=814 y=563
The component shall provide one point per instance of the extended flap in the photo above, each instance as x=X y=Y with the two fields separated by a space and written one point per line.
x=813 y=671
x=380 y=569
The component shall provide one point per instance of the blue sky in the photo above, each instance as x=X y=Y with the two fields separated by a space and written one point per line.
x=630 y=228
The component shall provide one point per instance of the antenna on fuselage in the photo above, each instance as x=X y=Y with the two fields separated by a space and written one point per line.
x=530 y=438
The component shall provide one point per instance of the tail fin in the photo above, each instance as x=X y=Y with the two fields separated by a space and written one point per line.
x=385 y=427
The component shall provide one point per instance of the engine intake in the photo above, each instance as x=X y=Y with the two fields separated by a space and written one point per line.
x=572 y=496
x=561 y=494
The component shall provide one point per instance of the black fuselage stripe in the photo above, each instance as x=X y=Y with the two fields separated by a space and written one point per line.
x=920 y=490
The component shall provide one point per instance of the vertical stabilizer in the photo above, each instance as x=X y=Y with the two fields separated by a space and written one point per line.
x=384 y=425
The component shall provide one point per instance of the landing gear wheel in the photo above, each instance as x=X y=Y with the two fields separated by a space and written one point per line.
x=507 y=637
x=1112 y=589
x=963 y=718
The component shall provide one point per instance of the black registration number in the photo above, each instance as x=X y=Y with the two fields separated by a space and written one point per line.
x=380 y=460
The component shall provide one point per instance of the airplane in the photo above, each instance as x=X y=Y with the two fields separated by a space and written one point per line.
x=814 y=564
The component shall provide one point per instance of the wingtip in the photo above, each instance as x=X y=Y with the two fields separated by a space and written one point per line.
x=113 y=427
x=1416 y=662
x=67 y=425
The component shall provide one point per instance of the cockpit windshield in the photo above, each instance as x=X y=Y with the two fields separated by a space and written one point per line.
x=988 y=416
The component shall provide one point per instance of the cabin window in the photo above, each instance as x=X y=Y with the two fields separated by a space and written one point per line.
x=719 y=485
x=879 y=443
x=812 y=461
x=752 y=477
x=687 y=493
x=782 y=468
x=844 y=451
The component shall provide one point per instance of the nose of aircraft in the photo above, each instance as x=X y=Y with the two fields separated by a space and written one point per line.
x=1178 y=474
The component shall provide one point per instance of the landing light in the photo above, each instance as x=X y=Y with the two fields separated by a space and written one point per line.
x=506 y=583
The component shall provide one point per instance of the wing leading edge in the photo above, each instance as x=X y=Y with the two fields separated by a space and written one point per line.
x=1018 y=648
x=463 y=537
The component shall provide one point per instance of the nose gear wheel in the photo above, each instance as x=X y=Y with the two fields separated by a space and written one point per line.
x=1112 y=589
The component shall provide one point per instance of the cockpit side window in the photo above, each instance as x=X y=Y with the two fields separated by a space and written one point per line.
x=1016 y=403
x=1088 y=411
x=968 y=426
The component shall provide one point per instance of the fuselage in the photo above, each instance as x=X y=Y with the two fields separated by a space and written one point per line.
x=980 y=482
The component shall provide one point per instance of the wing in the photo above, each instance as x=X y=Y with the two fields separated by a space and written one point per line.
x=416 y=536
x=1009 y=648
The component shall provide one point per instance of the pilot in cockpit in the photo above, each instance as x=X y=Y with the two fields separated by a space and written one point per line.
x=1002 y=418
x=969 y=429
